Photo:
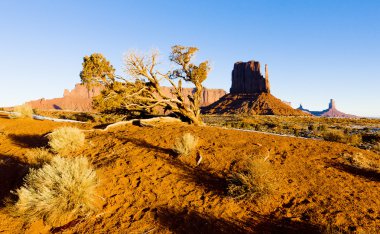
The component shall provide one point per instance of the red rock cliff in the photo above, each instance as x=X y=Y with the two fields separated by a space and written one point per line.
x=80 y=98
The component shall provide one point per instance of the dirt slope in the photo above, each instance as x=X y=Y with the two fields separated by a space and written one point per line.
x=148 y=190
x=254 y=104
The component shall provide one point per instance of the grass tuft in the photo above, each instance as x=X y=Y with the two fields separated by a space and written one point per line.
x=66 y=140
x=22 y=111
x=58 y=192
x=185 y=145
x=251 y=180
x=38 y=156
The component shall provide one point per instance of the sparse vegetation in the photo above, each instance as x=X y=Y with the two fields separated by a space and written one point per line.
x=66 y=140
x=22 y=111
x=59 y=192
x=143 y=92
x=251 y=180
x=363 y=133
x=185 y=144
x=334 y=135
x=38 y=156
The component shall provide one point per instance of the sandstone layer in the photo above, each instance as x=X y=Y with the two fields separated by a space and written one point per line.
x=329 y=112
x=80 y=98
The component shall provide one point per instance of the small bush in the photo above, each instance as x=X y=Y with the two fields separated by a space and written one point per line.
x=334 y=135
x=23 y=111
x=59 y=192
x=66 y=140
x=186 y=144
x=38 y=156
x=252 y=180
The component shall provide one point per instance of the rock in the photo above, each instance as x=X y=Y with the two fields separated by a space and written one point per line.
x=252 y=104
x=208 y=95
x=247 y=78
x=80 y=98
x=330 y=112
x=250 y=94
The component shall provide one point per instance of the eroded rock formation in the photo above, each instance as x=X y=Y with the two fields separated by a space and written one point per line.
x=247 y=78
x=330 y=112
x=80 y=98
x=250 y=94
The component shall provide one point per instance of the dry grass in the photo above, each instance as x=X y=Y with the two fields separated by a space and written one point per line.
x=186 y=144
x=38 y=156
x=66 y=140
x=361 y=161
x=59 y=192
x=251 y=179
x=22 y=111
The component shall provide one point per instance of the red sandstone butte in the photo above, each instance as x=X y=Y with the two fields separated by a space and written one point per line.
x=250 y=94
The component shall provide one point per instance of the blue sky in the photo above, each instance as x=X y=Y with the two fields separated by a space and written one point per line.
x=315 y=50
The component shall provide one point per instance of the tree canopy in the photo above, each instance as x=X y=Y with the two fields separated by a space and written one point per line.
x=142 y=90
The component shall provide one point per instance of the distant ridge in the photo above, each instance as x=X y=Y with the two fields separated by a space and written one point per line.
x=329 y=112
x=80 y=98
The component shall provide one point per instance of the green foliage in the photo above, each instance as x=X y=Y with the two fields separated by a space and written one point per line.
x=188 y=71
x=118 y=96
x=96 y=71
x=142 y=93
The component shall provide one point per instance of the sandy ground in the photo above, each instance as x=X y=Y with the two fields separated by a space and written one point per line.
x=147 y=189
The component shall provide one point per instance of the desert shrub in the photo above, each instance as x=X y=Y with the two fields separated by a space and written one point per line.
x=334 y=135
x=22 y=111
x=58 y=192
x=185 y=145
x=252 y=180
x=354 y=139
x=322 y=127
x=38 y=156
x=372 y=138
x=66 y=140
x=377 y=147
x=312 y=127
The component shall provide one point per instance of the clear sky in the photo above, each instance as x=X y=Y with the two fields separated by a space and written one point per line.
x=315 y=50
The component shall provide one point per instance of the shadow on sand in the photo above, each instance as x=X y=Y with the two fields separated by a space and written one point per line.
x=365 y=173
x=190 y=221
x=12 y=172
x=29 y=140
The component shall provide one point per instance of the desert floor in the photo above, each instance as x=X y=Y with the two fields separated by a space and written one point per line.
x=146 y=188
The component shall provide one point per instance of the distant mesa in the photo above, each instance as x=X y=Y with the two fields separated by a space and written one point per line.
x=80 y=98
x=250 y=94
x=329 y=112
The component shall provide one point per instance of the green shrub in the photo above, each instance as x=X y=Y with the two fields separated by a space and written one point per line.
x=59 y=192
